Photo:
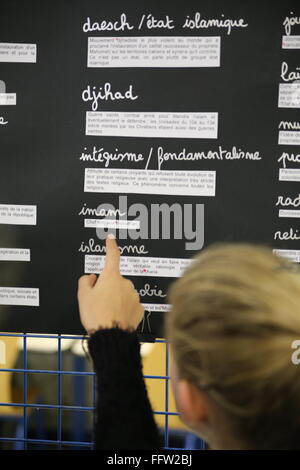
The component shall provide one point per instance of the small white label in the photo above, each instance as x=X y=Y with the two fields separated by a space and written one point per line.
x=26 y=296
x=192 y=183
x=138 y=124
x=289 y=174
x=14 y=254
x=292 y=255
x=154 y=51
x=157 y=307
x=8 y=99
x=289 y=213
x=116 y=224
x=139 y=266
x=291 y=42
x=17 y=52
x=17 y=214
x=289 y=95
x=289 y=138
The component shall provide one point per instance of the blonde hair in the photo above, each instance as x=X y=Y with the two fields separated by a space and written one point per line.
x=235 y=314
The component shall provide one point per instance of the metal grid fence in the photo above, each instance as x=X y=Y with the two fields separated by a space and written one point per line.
x=28 y=429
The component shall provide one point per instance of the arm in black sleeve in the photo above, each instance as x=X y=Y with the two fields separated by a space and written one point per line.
x=124 y=414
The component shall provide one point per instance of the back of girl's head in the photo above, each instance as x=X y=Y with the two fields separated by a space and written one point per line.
x=235 y=314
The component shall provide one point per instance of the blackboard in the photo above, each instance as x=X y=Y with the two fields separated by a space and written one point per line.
x=198 y=101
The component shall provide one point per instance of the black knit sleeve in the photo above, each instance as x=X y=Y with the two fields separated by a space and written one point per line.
x=124 y=415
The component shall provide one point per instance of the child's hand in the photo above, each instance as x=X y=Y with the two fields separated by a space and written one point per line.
x=111 y=299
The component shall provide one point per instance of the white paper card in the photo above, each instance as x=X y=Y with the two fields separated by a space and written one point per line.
x=8 y=99
x=140 y=266
x=192 y=183
x=289 y=174
x=26 y=296
x=17 y=214
x=289 y=138
x=289 y=95
x=14 y=254
x=292 y=255
x=175 y=125
x=154 y=51
x=17 y=52
x=291 y=42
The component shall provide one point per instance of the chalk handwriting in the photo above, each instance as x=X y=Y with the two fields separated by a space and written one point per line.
x=220 y=154
x=286 y=157
x=287 y=125
x=100 y=212
x=119 y=25
x=103 y=156
x=288 y=201
x=290 y=235
x=150 y=22
x=92 y=247
x=289 y=22
x=105 y=93
x=153 y=23
x=2 y=121
x=288 y=76
x=198 y=23
x=148 y=291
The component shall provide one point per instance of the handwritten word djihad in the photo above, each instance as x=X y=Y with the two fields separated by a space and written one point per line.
x=98 y=212
x=92 y=247
x=289 y=22
x=197 y=23
x=102 y=156
x=288 y=76
x=286 y=157
x=106 y=94
x=220 y=154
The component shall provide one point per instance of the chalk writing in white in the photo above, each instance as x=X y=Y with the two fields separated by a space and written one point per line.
x=153 y=23
x=92 y=247
x=287 y=125
x=220 y=154
x=100 y=212
x=197 y=23
x=119 y=25
x=105 y=94
x=292 y=234
x=103 y=156
x=148 y=291
x=288 y=76
x=288 y=201
x=286 y=157
x=289 y=22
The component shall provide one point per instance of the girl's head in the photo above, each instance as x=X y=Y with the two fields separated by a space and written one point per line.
x=235 y=315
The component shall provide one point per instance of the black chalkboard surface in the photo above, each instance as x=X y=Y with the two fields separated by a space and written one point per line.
x=159 y=116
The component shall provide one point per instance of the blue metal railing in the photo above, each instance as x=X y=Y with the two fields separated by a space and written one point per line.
x=78 y=438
